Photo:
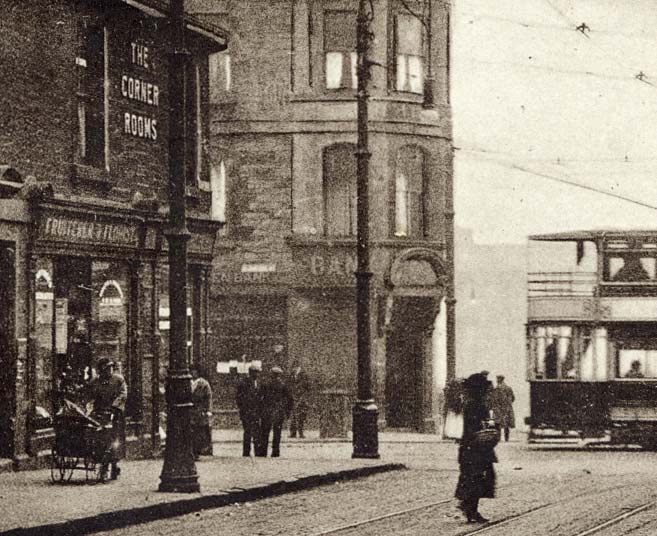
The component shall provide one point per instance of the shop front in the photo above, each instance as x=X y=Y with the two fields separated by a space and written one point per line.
x=99 y=288
x=305 y=315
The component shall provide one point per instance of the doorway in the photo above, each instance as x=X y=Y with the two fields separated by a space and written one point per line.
x=405 y=348
x=7 y=346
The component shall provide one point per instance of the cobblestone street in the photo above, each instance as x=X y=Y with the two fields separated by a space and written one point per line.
x=552 y=491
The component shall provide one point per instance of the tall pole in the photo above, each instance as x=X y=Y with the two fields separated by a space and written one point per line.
x=365 y=412
x=179 y=470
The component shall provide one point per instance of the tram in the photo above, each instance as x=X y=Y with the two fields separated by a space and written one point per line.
x=592 y=336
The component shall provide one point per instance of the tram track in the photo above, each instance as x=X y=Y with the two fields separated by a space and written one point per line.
x=494 y=525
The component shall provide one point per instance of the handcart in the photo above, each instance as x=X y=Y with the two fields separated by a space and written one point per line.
x=82 y=443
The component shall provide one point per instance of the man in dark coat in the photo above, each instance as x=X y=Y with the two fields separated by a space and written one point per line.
x=501 y=402
x=201 y=413
x=108 y=393
x=476 y=477
x=249 y=403
x=277 y=405
x=299 y=388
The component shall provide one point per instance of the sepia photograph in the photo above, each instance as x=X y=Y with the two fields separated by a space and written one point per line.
x=328 y=267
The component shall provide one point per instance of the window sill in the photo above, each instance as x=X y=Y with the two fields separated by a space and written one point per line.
x=90 y=175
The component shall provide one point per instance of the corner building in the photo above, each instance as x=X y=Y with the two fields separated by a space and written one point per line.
x=83 y=208
x=283 y=108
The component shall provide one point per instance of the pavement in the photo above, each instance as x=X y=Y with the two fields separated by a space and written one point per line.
x=33 y=505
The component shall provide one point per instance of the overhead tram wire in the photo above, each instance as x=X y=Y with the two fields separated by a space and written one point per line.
x=568 y=182
x=558 y=159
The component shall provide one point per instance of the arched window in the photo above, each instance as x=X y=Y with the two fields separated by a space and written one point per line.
x=218 y=187
x=410 y=179
x=339 y=185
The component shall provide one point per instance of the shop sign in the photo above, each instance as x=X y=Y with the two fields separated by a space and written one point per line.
x=136 y=89
x=239 y=278
x=333 y=265
x=84 y=231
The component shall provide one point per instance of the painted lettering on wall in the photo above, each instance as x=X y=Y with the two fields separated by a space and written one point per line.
x=135 y=88
x=236 y=278
x=333 y=265
x=88 y=231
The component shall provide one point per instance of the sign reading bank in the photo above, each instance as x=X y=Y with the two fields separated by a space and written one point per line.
x=140 y=90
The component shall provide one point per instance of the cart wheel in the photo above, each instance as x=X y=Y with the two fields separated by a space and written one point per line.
x=91 y=469
x=61 y=467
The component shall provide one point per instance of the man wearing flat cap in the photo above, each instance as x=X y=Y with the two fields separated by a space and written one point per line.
x=108 y=393
x=249 y=403
x=276 y=407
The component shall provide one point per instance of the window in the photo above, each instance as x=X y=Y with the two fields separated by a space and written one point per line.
x=92 y=97
x=340 y=190
x=563 y=352
x=218 y=186
x=340 y=49
x=410 y=193
x=194 y=127
x=220 y=75
x=408 y=44
x=630 y=267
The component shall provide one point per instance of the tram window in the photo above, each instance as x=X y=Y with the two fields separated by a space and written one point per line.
x=554 y=354
x=631 y=267
x=637 y=364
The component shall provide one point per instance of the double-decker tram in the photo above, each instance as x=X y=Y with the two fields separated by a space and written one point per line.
x=592 y=336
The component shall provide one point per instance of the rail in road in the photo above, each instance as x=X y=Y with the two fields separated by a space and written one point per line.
x=503 y=523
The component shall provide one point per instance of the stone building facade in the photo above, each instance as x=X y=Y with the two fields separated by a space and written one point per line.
x=83 y=207
x=283 y=116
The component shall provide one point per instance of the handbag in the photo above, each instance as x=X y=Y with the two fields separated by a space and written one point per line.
x=488 y=436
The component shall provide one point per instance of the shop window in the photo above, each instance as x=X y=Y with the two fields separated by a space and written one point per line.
x=410 y=198
x=409 y=55
x=339 y=185
x=340 y=49
x=220 y=76
x=218 y=187
x=194 y=128
x=92 y=97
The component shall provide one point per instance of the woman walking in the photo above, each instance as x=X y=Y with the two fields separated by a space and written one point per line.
x=476 y=455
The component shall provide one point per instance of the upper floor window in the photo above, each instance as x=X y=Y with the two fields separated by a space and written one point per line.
x=194 y=126
x=92 y=97
x=340 y=49
x=339 y=185
x=219 y=75
x=218 y=186
x=409 y=55
x=410 y=179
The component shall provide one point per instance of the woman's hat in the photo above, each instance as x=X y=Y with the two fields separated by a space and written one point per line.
x=476 y=381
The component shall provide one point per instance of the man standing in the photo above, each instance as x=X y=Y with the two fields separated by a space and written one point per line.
x=249 y=403
x=501 y=402
x=108 y=393
x=299 y=388
x=201 y=429
x=276 y=407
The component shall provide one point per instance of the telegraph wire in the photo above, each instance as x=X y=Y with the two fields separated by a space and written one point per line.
x=568 y=182
x=625 y=159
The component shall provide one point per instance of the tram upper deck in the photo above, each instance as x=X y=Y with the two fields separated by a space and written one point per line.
x=592 y=305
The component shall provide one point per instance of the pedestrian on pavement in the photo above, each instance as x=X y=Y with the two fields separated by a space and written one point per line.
x=277 y=405
x=477 y=476
x=201 y=414
x=299 y=388
x=108 y=393
x=501 y=402
x=453 y=409
x=249 y=403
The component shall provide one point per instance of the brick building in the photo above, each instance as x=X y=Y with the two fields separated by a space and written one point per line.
x=283 y=140
x=83 y=203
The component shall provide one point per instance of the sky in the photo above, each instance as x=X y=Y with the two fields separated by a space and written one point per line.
x=536 y=102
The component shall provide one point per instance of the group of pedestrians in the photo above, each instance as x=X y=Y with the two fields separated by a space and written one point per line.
x=486 y=411
x=264 y=407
